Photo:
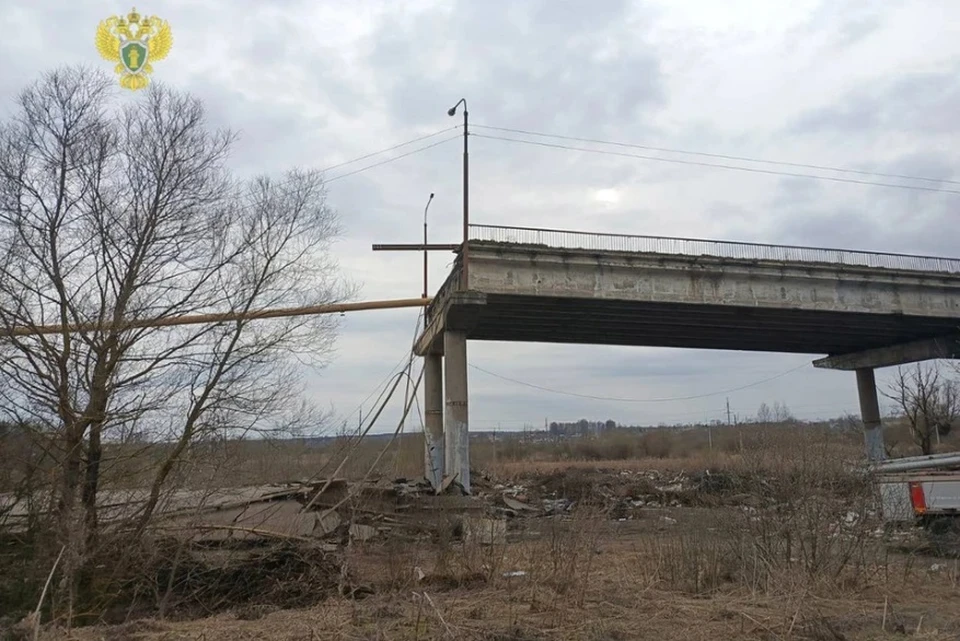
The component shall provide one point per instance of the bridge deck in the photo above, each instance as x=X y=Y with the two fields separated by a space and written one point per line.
x=761 y=298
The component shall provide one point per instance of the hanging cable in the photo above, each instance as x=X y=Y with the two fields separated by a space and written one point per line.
x=394 y=159
x=638 y=400
x=383 y=151
x=698 y=163
x=844 y=170
x=357 y=487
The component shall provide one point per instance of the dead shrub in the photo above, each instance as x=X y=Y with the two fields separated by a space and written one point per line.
x=563 y=558
x=25 y=561
x=693 y=563
x=482 y=550
x=574 y=484
x=193 y=580
x=812 y=528
x=465 y=554
x=400 y=561
x=281 y=574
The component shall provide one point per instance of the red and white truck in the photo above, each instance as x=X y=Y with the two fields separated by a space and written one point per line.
x=925 y=491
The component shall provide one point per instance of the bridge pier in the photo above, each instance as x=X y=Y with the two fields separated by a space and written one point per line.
x=863 y=309
x=433 y=420
x=456 y=449
x=870 y=414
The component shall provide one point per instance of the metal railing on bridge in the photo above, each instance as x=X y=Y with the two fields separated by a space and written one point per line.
x=591 y=241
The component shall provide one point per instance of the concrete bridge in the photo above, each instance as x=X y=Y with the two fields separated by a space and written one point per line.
x=859 y=310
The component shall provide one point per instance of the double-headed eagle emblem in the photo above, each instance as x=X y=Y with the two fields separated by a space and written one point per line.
x=133 y=43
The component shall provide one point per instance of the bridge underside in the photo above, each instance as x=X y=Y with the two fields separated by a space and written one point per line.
x=852 y=340
x=510 y=317
x=858 y=316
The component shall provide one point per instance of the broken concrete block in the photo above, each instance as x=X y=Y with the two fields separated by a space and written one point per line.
x=360 y=532
x=514 y=504
x=326 y=524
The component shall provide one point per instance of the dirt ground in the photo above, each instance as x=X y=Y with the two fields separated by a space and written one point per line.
x=611 y=595
x=605 y=554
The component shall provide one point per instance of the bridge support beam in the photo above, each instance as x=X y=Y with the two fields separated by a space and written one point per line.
x=456 y=418
x=433 y=432
x=870 y=414
x=923 y=350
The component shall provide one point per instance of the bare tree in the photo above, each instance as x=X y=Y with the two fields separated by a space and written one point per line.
x=110 y=214
x=764 y=414
x=928 y=400
x=782 y=413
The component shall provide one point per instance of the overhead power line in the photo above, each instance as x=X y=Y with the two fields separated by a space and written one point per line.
x=698 y=163
x=394 y=158
x=639 y=400
x=843 y=170
x=383 y=151
x=377 y=153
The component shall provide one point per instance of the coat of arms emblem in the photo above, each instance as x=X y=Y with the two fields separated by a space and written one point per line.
x=133 y=43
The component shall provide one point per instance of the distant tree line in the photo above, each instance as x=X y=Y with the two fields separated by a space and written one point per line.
x=583 y=427
x=780 y=413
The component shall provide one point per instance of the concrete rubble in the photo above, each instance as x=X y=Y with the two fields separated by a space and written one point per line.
x=624 y=494
x=347 y=512
x=335 y=513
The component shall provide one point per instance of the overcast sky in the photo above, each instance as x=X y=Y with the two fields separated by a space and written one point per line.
x=872 y=85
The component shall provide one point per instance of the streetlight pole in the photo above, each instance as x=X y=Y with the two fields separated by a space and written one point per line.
x=429 y=200
x=466 y=191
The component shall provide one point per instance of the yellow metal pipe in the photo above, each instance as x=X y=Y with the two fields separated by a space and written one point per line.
x=197 y=319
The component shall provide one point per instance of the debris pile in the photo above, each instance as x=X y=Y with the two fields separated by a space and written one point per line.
x=621 y=494
x=333 y=512
x=336 y=512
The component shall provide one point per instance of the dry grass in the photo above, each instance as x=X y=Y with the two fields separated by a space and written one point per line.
x=520 y=469
x=586 y=578
x=254 y=462
x=797 y=555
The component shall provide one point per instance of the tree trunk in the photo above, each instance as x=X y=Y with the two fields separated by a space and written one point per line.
x=86 y=571
x=91 y=484
x=68 y=531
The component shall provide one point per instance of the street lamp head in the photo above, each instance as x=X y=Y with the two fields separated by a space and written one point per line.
x=429 y=200
x=453 y=110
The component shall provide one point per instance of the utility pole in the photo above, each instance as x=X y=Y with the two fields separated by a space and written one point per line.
x=728 y=398
x=464 y=279
x=429 y=200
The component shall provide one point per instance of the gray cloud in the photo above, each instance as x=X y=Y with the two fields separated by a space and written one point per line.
x=871 y=218
x=848 y=24
x=918 y=102
x=535 y=64
x=315 y=84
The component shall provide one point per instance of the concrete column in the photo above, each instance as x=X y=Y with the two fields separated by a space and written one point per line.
x=433 y=402
x=455 y=421
x=870 y=414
